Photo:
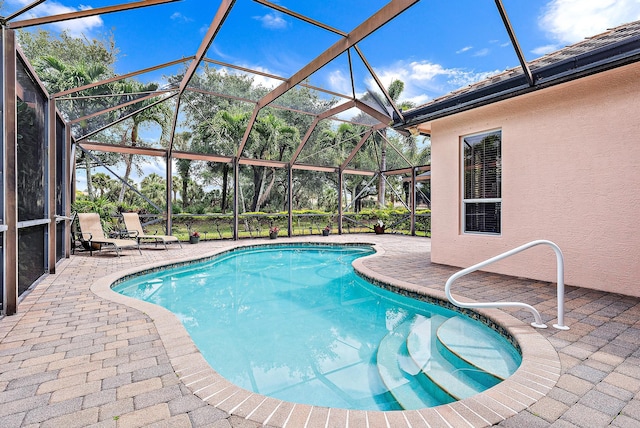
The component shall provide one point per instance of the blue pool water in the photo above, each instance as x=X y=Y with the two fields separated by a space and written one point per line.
x=296 y=323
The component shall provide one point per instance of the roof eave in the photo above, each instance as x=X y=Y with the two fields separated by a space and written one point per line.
x=611 y=56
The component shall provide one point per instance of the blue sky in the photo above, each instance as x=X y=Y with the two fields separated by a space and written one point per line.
x=434 y=47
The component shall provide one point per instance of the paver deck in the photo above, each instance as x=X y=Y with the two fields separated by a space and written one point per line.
x=77 y=357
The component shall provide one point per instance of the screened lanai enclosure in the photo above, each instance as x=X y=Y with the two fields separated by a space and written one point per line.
x=196 y=137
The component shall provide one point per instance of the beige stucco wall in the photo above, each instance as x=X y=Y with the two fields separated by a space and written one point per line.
x=571 y=174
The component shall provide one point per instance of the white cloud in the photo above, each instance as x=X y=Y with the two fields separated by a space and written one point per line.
x=424 y=79
x=20 y=3
x=272 y=21
x=257 y=79
x=459 y=78
x=215 y=49
x=543 y=50
x=177 y=16
x=482 y=52
x=260 y=80
x=418 y=100
x=350 y=113
x=74 y=27
x=569 y=21
x=424 y=71
x=464 y=49
x=338 y=82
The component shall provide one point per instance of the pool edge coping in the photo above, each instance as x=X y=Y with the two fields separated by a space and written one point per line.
x=537 y=375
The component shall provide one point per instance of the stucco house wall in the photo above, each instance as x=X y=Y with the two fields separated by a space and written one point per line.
x=570 y=174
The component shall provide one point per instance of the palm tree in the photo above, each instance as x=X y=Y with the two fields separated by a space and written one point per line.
x=341 y=143
x=102 y=183
x=184 y=170
x=181 y=142
x=274 y=138
x=153 y=187
x=234 y=125
x=58 y=76
x=158 y=113
x=394 y=90
x=175 y=185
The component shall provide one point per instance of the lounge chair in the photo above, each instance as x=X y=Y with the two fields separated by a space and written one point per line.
x=135 y=230
x=91 y=232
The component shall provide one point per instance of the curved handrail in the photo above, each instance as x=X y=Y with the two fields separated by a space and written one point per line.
x=538 y=320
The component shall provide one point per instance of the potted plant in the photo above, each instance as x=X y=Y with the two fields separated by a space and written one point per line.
x=273 y=232
x=194 y=238
x=379 y=228
x=326 y=230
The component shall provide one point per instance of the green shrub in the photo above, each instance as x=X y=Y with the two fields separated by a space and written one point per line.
x=105 y=209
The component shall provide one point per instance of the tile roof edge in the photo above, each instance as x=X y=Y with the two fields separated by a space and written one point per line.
x=606 y=56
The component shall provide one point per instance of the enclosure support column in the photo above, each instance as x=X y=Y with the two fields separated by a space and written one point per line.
x=69 y=189
x=236 y=184
x=382 y=188
x=412 y=202
x=9 y=168
x=340 y=201
x=290 y=197
x=51 y=188
x=169 y=181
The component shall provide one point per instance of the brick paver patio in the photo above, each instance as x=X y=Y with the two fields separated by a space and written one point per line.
x=70 y=358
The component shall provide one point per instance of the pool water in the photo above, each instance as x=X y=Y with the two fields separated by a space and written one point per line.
x=295 y=322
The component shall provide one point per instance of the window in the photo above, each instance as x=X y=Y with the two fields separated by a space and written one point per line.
x=482 y=177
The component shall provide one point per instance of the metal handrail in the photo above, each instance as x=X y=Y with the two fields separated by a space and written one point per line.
x=538 y=320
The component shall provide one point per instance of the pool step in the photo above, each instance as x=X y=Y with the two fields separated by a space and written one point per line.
x=399 y=372
x=463 y=340
x=456 y=378
x=431 y=361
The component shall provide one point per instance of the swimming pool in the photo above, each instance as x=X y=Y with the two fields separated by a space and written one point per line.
x=295 y=322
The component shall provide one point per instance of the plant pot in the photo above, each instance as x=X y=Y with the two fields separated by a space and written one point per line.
x=273 y=235
x=325 y=232
x=194 y=239
x=379 y=230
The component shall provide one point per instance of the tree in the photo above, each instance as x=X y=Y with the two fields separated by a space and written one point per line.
x=175 y=185
x=233 y=127
x=148 y=113
x=60 y=76
x=184 y=169
x=395 y=89
x=197 y=197
x=153 y=187
x=65 y=62
x=102 y=184
x=218 y=123
x=181 y=141
x=274 y=139
x=69 y=50
x=339 y=145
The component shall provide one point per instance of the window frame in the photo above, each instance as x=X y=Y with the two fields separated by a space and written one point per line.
x=466 y=201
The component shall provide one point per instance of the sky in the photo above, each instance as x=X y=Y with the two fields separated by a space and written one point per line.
x=434 y=47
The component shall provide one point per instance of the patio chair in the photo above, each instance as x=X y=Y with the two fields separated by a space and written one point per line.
x=135 y=230
x=91 y=232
